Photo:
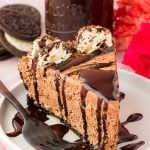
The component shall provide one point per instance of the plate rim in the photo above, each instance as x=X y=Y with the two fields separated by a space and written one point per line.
x=4 y=139
x=11 y=144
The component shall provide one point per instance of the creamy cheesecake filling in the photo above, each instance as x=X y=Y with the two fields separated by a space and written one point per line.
x=92 y=38
x=21 y=45
x=50 y=50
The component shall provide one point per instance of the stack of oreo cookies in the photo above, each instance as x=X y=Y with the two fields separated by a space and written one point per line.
x=19 y=26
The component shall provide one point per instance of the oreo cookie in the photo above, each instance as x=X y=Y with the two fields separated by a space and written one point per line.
x=2 y=50
x=4 y=54
x=19 y=25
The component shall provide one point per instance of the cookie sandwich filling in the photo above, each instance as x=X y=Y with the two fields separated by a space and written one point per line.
x=19 y=44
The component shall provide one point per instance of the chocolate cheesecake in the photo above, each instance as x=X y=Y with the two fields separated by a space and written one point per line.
x=77 y=82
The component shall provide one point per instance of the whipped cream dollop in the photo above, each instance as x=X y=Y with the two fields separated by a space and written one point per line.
x=50 y=50
x=22 y=45
x=92 y=38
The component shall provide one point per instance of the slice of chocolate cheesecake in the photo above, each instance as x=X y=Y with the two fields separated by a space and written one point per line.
x=77 y=82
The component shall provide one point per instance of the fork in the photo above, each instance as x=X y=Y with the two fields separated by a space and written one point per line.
x=37 y=133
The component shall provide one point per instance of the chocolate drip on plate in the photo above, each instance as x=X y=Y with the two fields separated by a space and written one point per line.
x=38 y=113
x=125 y=135
x=132 y=118
x=34 y=68
x=83 y=111
x=133 y=146
x=34 y=111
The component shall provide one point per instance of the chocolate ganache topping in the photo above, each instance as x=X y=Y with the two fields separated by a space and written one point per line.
x=100 y=80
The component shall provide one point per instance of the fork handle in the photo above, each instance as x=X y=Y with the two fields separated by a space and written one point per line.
x=11 y=98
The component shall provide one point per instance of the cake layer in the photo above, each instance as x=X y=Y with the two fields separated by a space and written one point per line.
x=67 y=102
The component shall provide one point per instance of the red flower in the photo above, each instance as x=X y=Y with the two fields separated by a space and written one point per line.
x=138 y=53
x=128 y=18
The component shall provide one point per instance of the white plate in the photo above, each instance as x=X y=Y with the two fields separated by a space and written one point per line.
x=136 y=88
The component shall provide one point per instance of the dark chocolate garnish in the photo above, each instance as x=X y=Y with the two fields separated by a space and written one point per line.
x=100 y=80
x=133 y=146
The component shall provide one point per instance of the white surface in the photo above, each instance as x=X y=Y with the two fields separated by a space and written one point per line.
x=137 y=99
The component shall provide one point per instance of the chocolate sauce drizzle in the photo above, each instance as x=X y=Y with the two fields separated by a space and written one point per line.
x=34 y=68
x=57 y=84
x=104 y=117
x=44 y=71
x=76 y=61
x=98 y=114
x=89 y=66
x=83 y=111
